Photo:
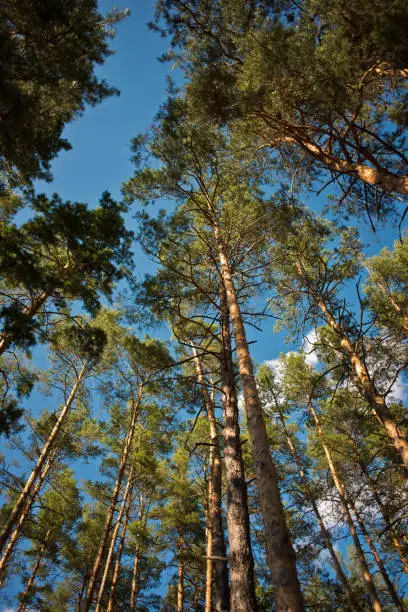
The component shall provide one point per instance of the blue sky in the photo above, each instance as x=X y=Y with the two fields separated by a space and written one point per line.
x=99 y=159
x=100 y=156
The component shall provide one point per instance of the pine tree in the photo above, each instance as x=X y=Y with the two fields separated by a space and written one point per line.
x=212 y=194
x=49 y=52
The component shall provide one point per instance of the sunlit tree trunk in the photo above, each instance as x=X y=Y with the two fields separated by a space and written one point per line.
x=381 y=506
x=24 y=512
x=115 y=577
x=180 y=576
x=80 y=604
x=403 y=318
x=216 y=549
x=114 y=499
x=240 y=557
x=24 y=599
x=368 y=579
x=361 y=377
x=311 y=498
x=209 y=549
x=134 y=593
x=377 y=558
x=22 y=500
x=279 y=550
x=108 y=561
x=377 y=177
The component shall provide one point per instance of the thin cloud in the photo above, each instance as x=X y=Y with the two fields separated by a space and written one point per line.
x=309 y=346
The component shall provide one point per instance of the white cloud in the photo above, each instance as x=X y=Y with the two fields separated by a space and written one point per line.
x=309 y=346
x=399 y=391
x=330 y=512
x=276 y=365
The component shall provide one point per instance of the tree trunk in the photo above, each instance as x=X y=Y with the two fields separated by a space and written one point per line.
x=368 y=580
x=279 y=550
x=80 y=604
x=326 y=537
x=363 y=381
x=240 y=557
x=119 y=558
x=395 y=305
x=25 y=509
x=180 y=577
x=108 y=561
x=24 y=600
x=215 y=542
x=378 y=560
x=135 y=581
x=114 y=498
x=209 y=550
x=18 y=507
x=376 y=177
x=7 y=337
x=381 y=506
x=135 y=574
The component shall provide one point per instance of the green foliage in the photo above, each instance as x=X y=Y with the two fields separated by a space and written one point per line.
x=65 y=252
x=49 y=50
x=321 y=84
x=387 y=287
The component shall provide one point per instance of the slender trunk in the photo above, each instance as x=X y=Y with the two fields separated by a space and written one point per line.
x=19 y=505
x=25 y=510
x=24 y=600
x=108 y=561
x=377 y=558
x=241 y=562
x=135 y=581
x=326 y=536
x=208 y=549
x=279 y=550
x=180 y=577
x=395 y=305
x=135 y=575
x=80 y=604
x=363 y=381
x=114 y=498
x=368 y=580
x=381 y=506
x=7 y=336
x=376 y=177
x=216 y=549
x=115 y=576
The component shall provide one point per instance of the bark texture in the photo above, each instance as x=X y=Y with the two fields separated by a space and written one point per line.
x=21 y=502
x=127 y=492
x=279 y=550
x=240 y=557
x=115 y=577
x=180 y=576
x=311 y=498
x=24 y=599
x=134 y=593
x=367 y=388
x=382 y=508
x=114 y=500
x=367 y=577
x=217 y=567
x=15 y=534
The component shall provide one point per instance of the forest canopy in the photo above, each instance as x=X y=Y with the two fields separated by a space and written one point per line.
x=203 y=377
